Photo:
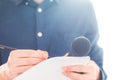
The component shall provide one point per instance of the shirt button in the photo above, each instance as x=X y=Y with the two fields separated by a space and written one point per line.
x=39 y=10
x=39 y=34
x=51 y=0
x=26 y=3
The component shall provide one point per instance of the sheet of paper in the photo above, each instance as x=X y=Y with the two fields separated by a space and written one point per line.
x=51 y=69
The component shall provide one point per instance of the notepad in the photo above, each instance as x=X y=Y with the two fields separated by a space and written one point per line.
x=51 y=69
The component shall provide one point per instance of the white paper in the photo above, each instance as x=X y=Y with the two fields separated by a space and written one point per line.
x=51 y=69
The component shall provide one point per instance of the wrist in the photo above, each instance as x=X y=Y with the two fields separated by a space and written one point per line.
x=3 y=72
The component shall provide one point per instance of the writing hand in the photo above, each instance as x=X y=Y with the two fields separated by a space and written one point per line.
x=21 y=60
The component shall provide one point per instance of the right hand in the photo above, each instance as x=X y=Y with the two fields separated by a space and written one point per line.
x=21 y=60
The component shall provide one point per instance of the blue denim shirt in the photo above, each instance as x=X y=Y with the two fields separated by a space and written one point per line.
x=49 y=26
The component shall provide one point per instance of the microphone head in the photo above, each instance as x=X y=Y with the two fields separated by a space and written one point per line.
x=80 y=47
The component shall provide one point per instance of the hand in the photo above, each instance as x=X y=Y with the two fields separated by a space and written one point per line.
x=82 y=72
x=21 y=60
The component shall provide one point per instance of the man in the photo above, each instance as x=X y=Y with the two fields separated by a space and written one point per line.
x=38 y=28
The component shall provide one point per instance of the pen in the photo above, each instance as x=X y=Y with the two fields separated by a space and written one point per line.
x=11 y=48
x=7 y=47
x=65 y=55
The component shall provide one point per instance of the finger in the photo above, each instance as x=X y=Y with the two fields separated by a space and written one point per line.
x=24 y=53
x=18 y=70
x=75 y=76
x=27 y=53
x=22 y=69
x=27 y=61
x=44 y=54
x=76 y=68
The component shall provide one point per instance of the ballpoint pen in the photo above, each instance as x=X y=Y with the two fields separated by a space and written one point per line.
x=7 y=47
x=11 y=48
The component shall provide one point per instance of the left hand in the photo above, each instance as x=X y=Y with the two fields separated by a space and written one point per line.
x=89 y=72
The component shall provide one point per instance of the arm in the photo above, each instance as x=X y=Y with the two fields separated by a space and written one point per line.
x=92 y=33
x=93 y=70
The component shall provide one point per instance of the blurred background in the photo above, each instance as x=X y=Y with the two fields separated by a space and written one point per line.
x=108 y=16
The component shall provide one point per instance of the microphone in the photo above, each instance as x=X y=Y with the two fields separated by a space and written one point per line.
x=80 y=47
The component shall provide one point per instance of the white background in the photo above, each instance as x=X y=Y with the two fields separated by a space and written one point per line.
x=108 y=16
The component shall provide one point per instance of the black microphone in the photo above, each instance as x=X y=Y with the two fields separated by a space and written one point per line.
x=80 y=47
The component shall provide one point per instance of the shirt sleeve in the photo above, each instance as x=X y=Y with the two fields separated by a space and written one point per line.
x=92 y=33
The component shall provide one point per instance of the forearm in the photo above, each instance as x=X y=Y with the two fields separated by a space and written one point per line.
x=3 y=75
